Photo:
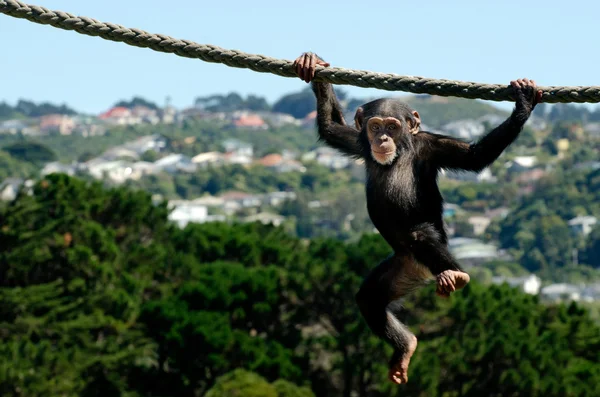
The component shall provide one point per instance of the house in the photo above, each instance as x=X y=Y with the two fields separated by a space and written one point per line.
x=142 y=168
x=587 y=165
x=465 y=129
x=250 y=121
x=141 y=145
x=561 y=292
x=497 y=213
x=238 y=147
x=484 y=176
x=521 y=163
x=290 y=166
x=529 y=176
x=12 y=126
x=59 y=168
x=328 y=157
x=309 y=121
x=9 y=188
x=174 y=163
x=203 y=160
x=210 y=201
x=99 y=168
x=145 y=114
x=277 y=198
x=591 y=293
x=479 y=224
x=57 y=123
x=278 y=120
x=88 y=126
x=592 y=129
x=119 y=116
x=472 y=251
x=529 y=284
x=451 y=210
x=120 y=153
x=271 y=160
x=582 y=225
x=184 y=212
x=234 y=201
x=266 y=218
x=168 y=115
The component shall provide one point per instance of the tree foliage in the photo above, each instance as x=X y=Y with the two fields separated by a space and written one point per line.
x=101 y=296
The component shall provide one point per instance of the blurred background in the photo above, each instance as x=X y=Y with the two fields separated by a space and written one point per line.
x=170 y=227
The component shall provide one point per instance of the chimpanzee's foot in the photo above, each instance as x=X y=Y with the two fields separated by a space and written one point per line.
x=450 y=281
x=399 y=371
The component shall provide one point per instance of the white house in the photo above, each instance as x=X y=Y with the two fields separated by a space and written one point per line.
x=479 y=224
x=466 y=129
x=472 y=250
x=529 y=284
x=175 y=162
x=583 y=224
x=184 y=212
x=560 y=292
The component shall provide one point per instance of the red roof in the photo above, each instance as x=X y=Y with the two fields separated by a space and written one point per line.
x=271 y=160
x=250 y=120
x=311 y=116
x=118 y=111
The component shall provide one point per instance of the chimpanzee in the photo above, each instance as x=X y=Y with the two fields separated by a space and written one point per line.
x=403 y=199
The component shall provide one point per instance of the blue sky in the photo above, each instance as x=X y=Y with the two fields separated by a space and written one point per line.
x=554 y=42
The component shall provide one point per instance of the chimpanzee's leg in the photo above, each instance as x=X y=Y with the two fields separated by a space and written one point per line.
x=429 y=247
x=395 y=277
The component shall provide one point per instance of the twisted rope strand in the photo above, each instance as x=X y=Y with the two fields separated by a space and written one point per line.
x=284 y=68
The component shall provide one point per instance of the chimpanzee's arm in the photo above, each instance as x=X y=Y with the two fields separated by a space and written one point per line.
x=451 y=153
x=330 y=120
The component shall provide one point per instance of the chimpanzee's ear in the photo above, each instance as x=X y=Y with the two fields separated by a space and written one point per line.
x=415 y=122
x=358 y=118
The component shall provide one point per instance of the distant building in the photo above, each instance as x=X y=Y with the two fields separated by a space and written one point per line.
x=583 y=225
x=271 y=160
x=278 y=120
x=57 y=123
x=529 y=284
x=250 y=121
x=203 y=160
x=173 y=163
x=145 y=114
x=521 y=163
x=234 y=201
x=12 y=126
x=529 y=176
x=479 y=224
x=591 y=293
x=277 y=198
x=451 y=210
x=59 y=168
x=328 y=157
x=561 y=292
x=238 y=147
x=466 y=129
x=266 y=218
x=484 y=176
x=587 y=165
x=309 y=121
x=472 y=251
x=120 y=116
x=9 y=188
x=184 y=212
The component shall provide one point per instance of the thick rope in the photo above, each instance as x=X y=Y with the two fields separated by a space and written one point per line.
x=280 y=67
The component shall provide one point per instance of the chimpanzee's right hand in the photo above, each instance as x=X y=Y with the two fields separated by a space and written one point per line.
x=306 y=64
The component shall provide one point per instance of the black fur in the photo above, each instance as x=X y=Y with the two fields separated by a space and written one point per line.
x=403 y=198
